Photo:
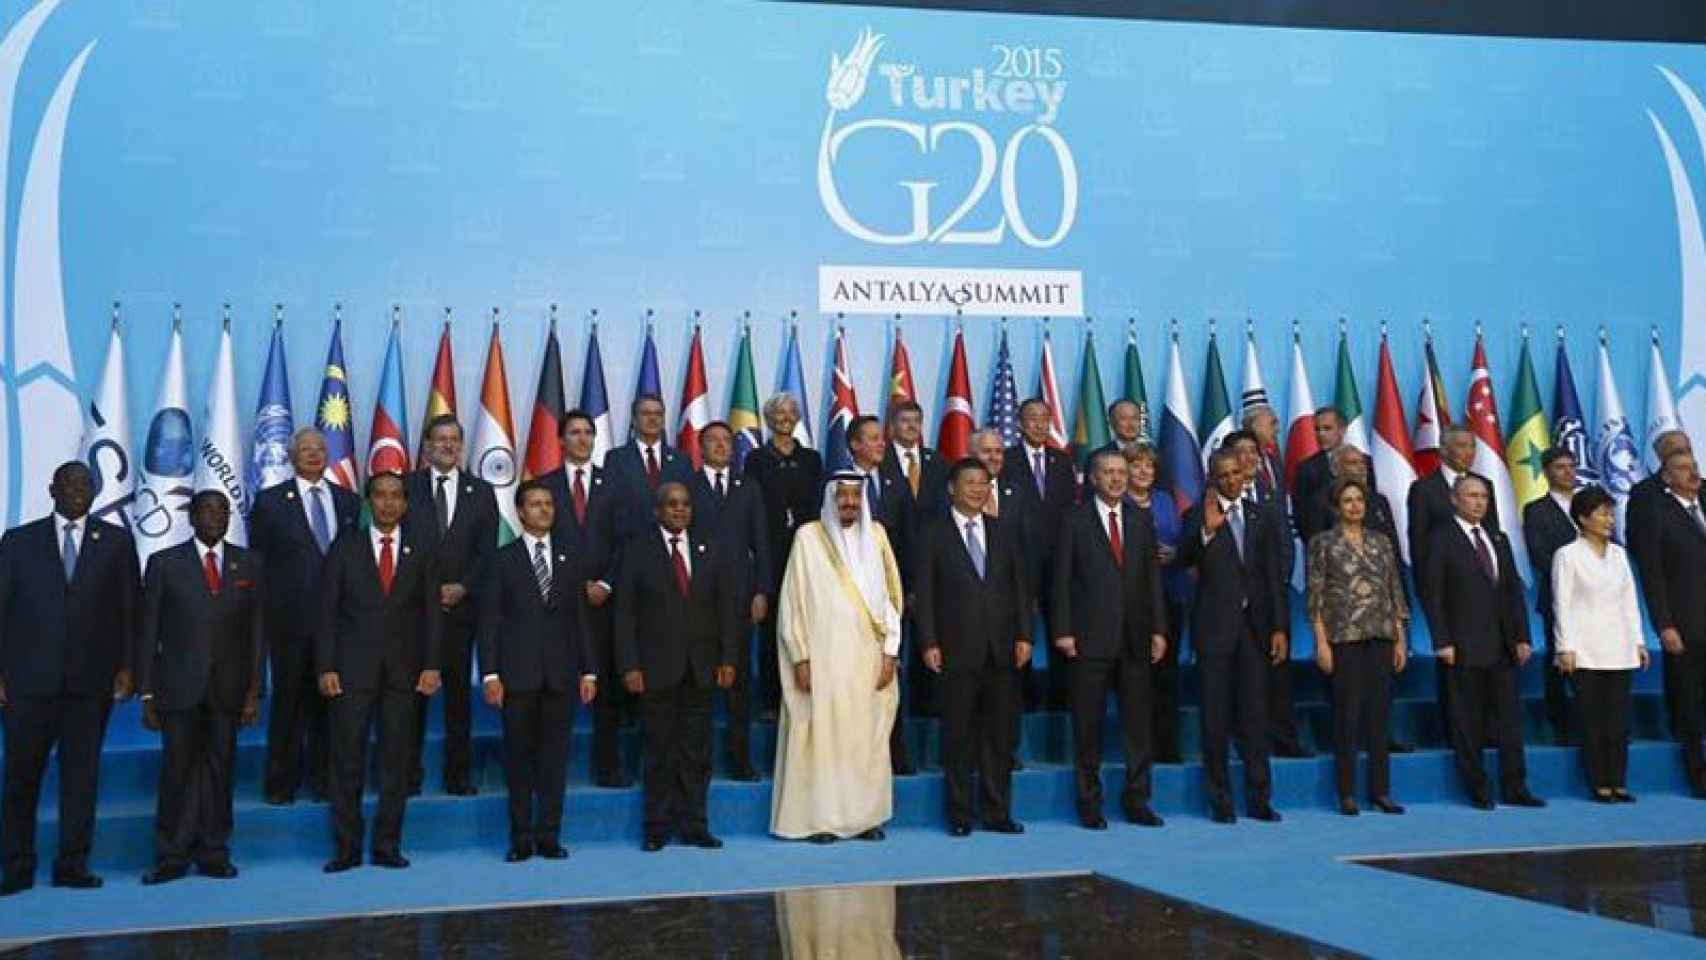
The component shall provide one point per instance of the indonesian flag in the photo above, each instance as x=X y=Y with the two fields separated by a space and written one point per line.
x=1483 y=417
x=441 y=396
x=1049 y=389
x=953 y=438
x=1433 y=414
x=1394 y=465
x=695 y=402
x=491 y=452
x=1300 y=442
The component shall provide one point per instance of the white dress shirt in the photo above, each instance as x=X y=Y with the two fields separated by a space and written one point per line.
x=396 y=536
x=1469 y=531
x=961 y=522
x=78 y=528
x=305 y=493
x=685 y=547
x=1594 y=611
x=451 y=480
x=711 y=475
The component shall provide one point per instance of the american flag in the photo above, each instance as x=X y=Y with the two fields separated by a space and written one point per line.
x=1004 y=397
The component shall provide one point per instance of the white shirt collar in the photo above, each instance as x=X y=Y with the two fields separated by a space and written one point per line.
x=1561 y=499
x=218 y=549
x=303 y=486
x=396 y=536
x=1103 y=508
x=1470 y=528
x=1227 y=506
x=1679 y=498
x=452 y=475
x=533 y=543
x=1031 y=453
x=79 y=527
x=663 y=531
x=960 y=520
x=1450 y=474
x=727 y=472
x=900 y=452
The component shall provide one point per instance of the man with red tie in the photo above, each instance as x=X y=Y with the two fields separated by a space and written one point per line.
x=637 y=468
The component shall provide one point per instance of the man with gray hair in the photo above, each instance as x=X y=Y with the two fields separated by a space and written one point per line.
x=1261 y=422
x=291 y=526
x=1638 y=526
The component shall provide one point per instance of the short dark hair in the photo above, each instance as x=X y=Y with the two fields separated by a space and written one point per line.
x=442 y=420
x=578 y=414
x=1122 y=402
x=1467 y=477
x=1329 y=409
x=1224 y=452
x=1239 y=436
x=857 y=424
x=719 y=425
x=1554 y=454
x=1342 y=484
x=533 y=483
x=208 y=496
x=665 y=487
x=903 y=406
x=640 y=398
x=1587 y=500
x=69 y=467
x=1035 y=401
x=1103 y=454
x=373 y=478
x=965 y=465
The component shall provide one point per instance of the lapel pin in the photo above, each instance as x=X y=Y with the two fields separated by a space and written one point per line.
x=94 y=534
x=290 y=494
x=562 y=558
x=407 y=549
x=701 y=548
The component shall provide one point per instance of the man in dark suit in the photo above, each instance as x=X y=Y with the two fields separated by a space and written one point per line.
x=1261 y=422
x=892 y=507
x=377 y=647
x=1237 y=628
x=1649 y=490
x=1004 y=494
x=1671 y=561
x=291 y=528
x=1315 y=474
x=535 y=653
x=1110 y=626
x=1125 y=423
x=1473 y=598
x=199 y=672
x=1348 y=461
x=1547 y=528
x=636 y=469
x=728 y=510
x=1043 y=477
x=675 y=640
x=457 y=512
x=973 y=622
x=68 y=586
x=920 y=478
x=586 y=525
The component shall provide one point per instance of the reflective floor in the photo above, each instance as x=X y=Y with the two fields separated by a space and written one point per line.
x=1662 y=887
x=1056 y=917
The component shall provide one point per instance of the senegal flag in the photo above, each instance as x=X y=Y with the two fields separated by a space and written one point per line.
x=1528 y=437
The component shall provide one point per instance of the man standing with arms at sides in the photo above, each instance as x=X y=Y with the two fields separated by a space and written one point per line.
x=457 y=512
x=986 y=447
x=1236 y=629
x=1043 y=476
x=199 y=673
x=974 y=625
x=1671 y=561
x=291 y=529
x=921 y=480
x=535 y=654
x=838 y=618
x=1315 y=474
x=1110 y=626
x=68 y=594
x=378 y=646
x=1473 y=597
x=1547 y=528
x=675 y=641
x=636 y=469
x=790 y=477
x=1125 y=420
x=888 y=504
x=586 y=528
x=730 y=510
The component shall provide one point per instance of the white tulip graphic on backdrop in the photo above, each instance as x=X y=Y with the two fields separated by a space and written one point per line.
x=847 y=77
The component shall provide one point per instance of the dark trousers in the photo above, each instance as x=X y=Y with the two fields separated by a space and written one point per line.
x=978 y=708
x=737 y=735
x=900 y=757
x=1482 y=695
x=1234 y=684
x=1282 y=719
x=1091 y=679
x=458 y=708
x=769 y=666
x=192 y=821
x=296 y=721
x=607 y=707
x=536 y=763
x=1685 y=691
x=1362 y=714
x=1557 y=689
x=1164 y=691
x=353 y=716
x=1603 y=698
x=33 y=726
x=677 y=724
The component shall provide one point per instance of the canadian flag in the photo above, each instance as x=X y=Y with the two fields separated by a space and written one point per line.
x=953 y=438
x=1394 y=464
x=695 y=403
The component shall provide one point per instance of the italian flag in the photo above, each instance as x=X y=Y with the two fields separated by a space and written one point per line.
x=491 y=451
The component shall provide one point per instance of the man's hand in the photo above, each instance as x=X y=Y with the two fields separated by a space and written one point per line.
x=597 y=594
x=124 y=685
x=1566 y=662
x=885 y=673
x=1278 y=648
x=635 y=681
x=1157 y=647
x=492 y=691
x=803 y=676
x=1646 y=658
x=330 y=686
x=429 y=682
x=726 y=676
x=451 y=594
x=1324 y=657
x=1446 y=655
x=1068 y=646
x=589 y=689
x=933 y=659
x=1021 y=653
x=1400 y=657
x=3 y=700
x=150 y=715
x=1213 y=518
x=1671 y=639
x=760 y=608
x=251 y=714
x=1523 y=652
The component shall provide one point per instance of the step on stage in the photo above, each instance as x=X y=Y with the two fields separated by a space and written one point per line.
x=1076 y=915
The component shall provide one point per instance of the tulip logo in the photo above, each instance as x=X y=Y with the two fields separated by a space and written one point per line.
x=847 y=77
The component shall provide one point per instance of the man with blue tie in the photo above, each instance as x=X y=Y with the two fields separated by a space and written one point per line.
x=291 y=528
x=1043 y=477
x=68 y=594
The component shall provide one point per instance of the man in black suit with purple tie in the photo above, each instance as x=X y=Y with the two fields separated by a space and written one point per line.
x=1043 y=477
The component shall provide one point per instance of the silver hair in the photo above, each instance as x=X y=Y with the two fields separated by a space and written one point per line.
x=978 y=435
x=1261 y=409
x=303 y=433
x=777 y=401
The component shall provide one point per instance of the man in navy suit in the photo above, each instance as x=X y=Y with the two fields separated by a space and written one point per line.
x=586 y=523
x=535 y=655
x=68 y=591
x=199 y=672
x=1043 y=477
x=291 y=527
x=892 y=507
x=919 y=477
x=636 y=469
x=728 y=509
x=1546 y=529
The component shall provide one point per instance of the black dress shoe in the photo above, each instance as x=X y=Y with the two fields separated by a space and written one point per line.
x=1523 y=798
x=822 y=839
x=1143 y=816
x=555 y=851
x=389 y=859
x=1348 y=806
x=959 y=829
x=1293 y=751
x=1399 y=746
x=1018 y=764
x=744 y=774
x=1223 y=815
x=1386 y=805
x=1094 y=821
x=1481 y=801
x=341 y=862
x=905 y=769
x=1622 y=796
x=1602 y=796
x=223 y=870
x=517 y=855
x=1265 y=813
x=704 y=839
x=1008 y=825
x=16 y=883
x=613 y=781
x=652 y=844
x=874 y=834
x=160 y=875
x=462 y=790
x=279 y=799
x=83 y=880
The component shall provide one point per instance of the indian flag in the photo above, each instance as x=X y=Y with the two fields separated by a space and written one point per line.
x=491 y=451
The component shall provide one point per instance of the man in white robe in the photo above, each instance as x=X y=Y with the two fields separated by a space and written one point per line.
x=838 y=620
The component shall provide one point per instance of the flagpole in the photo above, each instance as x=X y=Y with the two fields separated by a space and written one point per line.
x=115 y=316
x=337 y=313
x=177 y=317
x=1428 y=330
x=1130 y=329
x=277 y=315
x=1175 y=329
x=1296 y=332
x=648 y=321
x=225 y=316
x=396 y=315
x=592 y=321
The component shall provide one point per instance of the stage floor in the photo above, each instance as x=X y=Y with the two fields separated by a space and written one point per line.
x=1079 y=916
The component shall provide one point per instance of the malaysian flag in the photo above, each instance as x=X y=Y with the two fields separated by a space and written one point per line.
x=1004 y=397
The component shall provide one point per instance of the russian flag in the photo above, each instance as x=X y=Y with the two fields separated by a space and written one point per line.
x=1181 y=455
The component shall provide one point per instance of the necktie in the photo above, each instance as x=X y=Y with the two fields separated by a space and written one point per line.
x=912 y=474
x=210 y=571
x=1114 y=541
x=1236 y=519
x=975 y=548
x=580 y=497
x=387 y=565
x=441 y=501
x=542 y=569
x=683 y=582
x=317 y=512
x=871 y=491
x=652 y=467
x=721 y=492
x=1038 y=472
x=1484 y=555
x=1699 y=519
x=68 y=551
